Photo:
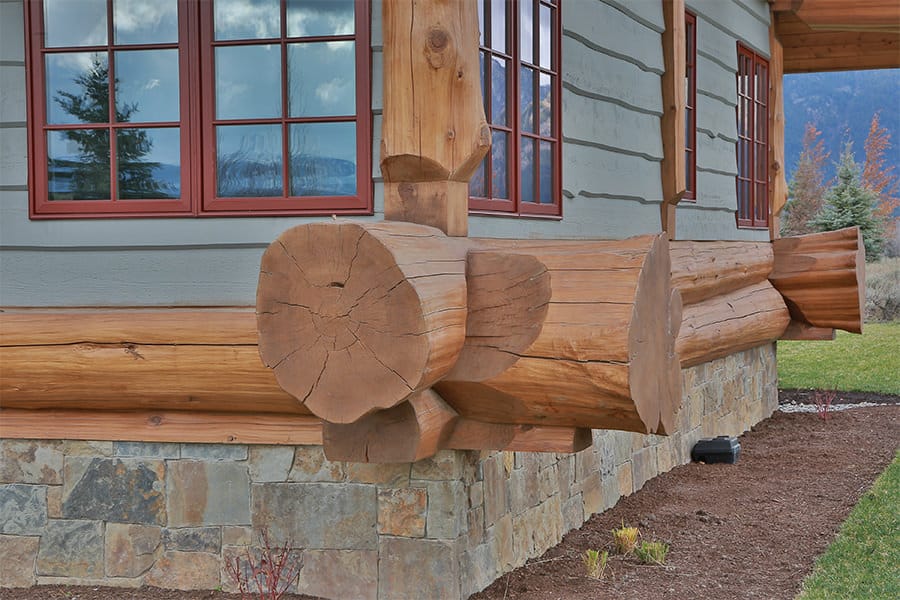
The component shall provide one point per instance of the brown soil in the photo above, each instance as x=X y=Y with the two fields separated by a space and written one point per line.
x=748 y=530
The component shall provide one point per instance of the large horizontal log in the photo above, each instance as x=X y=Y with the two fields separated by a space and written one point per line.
x=703 y=270
x=731 y=322
x=822 y=278
x=160 y=426
x=474 y=435
x=356 y=317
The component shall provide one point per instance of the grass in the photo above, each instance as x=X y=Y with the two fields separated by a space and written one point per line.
x=862 y=561
x=851 y=363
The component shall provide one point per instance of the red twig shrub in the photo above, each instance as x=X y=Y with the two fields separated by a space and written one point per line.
x=271 y=574
x=823 y=402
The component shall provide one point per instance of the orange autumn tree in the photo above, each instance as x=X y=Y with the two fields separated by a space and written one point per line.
x=879 y=177
x=807 y=186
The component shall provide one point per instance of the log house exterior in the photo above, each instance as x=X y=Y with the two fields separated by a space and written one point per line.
x=543 y=272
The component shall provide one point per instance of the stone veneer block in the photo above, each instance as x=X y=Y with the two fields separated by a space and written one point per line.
x=270 y=463
x=113 y=489
x=214 y=452
x=207 y=493
x=185 y=571
x=147 y=449
x=401 y=511
x=237 y=535
x=446 y=509
x=28 y=461
x=445 y=465
x=340 y=574
x=23 y=508
x=317 y=515
x=87 y=448
x=54 y=501
x=392 y=474
x=71 y=549
x=193 y=539
x=644 y=467
x=495 y=484
x=415 y=569
x=625 y=477
x=311 y=465
x=130 y=549
x=17 y=556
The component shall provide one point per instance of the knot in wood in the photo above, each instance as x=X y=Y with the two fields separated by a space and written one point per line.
x=437 y=42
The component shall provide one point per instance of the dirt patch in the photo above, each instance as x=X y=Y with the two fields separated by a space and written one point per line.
x=749 y=530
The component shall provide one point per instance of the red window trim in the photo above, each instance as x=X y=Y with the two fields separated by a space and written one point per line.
x=513 y=205
x=197 y=156
x=690 y=107
x=753 y=210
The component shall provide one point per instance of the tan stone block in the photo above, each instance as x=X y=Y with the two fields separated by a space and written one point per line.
x=503 y=533
x=29 y=461
x=446 y=464
x=644 y=467
x=696 y=402
x=185 y=571
x=54 y=501
x=475 y=523
x=609 y=487
x=340 y=574
x=496 y=503
x=311 y=465
x=418 y=568
x=392 y=474
x=665 y=456
x=401 y=511
x=476 y=494
x=509 y=461
x=17 y=556
x=130 y=549
x=87 y=448
x=237 y=535
x=625 y=478
x=708 y=425
x=592 y=495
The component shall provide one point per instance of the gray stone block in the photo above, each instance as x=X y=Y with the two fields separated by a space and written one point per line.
x=17 y=555
x=340 y=574
x=446 y=517
x=434 y=562
x=130 y=549
x=270 y=463
x=310 y=464
x=71 y=549
x=23 y=508
x=147 y=449
x=123 y=491
x=214 y=493
x=496 y=503
x=317 y=515
x=214 y=451
x=194 y=539
x=28 y=461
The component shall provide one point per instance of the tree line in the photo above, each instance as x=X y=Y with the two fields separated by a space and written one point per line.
x=864 y=195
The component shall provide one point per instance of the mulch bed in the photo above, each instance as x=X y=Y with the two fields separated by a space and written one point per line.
x=749 y=530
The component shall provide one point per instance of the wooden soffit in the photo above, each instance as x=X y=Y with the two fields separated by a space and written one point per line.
x=838 y=35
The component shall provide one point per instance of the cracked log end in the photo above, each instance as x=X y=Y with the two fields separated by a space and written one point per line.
x=355 y=317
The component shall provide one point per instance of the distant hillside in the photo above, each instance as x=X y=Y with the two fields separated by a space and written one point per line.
x=837 y=103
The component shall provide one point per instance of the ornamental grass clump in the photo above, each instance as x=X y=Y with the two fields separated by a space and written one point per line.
x=652 y=553
x=595 y=563
x=625 y=539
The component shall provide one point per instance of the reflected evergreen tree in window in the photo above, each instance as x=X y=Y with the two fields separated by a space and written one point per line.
x=90 y=175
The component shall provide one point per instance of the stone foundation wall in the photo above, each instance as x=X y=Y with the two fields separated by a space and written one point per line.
x=169 y=515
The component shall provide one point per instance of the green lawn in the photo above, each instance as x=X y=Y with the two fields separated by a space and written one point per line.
x=851 y=363
x=864 y=560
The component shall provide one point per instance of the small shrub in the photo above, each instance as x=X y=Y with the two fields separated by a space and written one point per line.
x=271 y=573
x=595 y=563
x=625 y=539
x=652 y=553
x=823 y=402
x=883 y=291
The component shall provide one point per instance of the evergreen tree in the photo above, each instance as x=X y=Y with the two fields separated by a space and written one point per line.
x=807 y=187
x=849 y=203
x=91 y=173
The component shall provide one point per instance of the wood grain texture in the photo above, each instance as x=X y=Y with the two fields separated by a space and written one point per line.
x=822 y=278
x=411 y=431
x=777 y=178
x=702 y=270
x=474 y=435
x=672 y=124
x=160 y=426
x=356 y=317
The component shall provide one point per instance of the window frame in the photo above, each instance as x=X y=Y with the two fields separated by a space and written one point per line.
x=752 y=211
x=196 y=116
x=690 y=107
x=514 y=206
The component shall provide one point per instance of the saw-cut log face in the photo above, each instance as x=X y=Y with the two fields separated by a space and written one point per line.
x=354 y=319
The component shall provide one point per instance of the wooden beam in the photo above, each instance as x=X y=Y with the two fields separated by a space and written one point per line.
x=160 y=426
x=434 y=131
x=703 y=270
x=672 y=123
x=858 y=15
x=777 y=178
x=474 y=435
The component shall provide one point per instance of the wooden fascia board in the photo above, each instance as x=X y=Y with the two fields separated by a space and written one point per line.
x=843 y=15
x=672 y=122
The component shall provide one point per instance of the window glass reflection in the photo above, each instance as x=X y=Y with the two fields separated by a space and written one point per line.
x=147 y=85
x=248 y=81
x=322 y=79
x=527 y=161
x=546 y=173
x=526 y=98
x=498 y=25
x=142 y=22
x=77 y=88
x=78 y=164
x=526 y=31
x=498 y=91
x=148 y=163
x=477 y=185
x=246 y=19
x=499 y=165
x=323 y=159
x=545 y=94
x=74 y=23
x=248 y=161
x=544 y=38
x=319 y=17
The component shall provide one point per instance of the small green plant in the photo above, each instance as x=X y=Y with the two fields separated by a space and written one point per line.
x=595 y=563
x=652 y=553
x=625 y=539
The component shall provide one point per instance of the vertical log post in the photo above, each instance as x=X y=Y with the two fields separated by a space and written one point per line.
x=777 y=181
x=672 y=122
x=434 y=133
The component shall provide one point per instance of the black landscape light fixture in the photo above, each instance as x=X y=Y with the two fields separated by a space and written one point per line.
x=722 y=449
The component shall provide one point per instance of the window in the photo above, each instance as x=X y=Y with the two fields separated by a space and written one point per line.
x=520 y=45
x=753 y=144
x=690 y=106
x=177 y=107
